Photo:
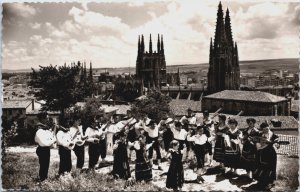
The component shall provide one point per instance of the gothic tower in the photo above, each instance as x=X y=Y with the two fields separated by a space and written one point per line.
x=224 y=70
x=151 y=66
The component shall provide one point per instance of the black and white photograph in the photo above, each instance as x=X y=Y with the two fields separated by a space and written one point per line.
x=150 y=95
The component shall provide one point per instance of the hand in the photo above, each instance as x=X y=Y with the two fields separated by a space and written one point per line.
x=276 y=145
x=96 y=140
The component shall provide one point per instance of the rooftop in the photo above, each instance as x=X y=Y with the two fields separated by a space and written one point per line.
x=16 y=104
x=252 y=96
x=179 y=107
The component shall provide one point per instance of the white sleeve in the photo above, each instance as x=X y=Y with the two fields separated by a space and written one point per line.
x=190 y=138
x=172 y=127
x=62 y=139
x=44 y=138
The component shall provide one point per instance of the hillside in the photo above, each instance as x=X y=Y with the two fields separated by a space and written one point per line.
x=253 y=66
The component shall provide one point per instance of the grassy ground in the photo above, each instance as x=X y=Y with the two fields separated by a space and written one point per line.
x=20 y=169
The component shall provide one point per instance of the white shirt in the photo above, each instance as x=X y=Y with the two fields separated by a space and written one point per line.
x=64 y=138
x=115 y=128
x=178 y=135
x=45 y=138
x=198 y=139
x=92 y=133
x=153 y=133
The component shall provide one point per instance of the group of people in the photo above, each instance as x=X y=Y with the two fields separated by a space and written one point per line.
x=180 y=139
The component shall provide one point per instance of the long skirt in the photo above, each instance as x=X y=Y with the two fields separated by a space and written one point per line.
x=248 y=157
x=121 y=167
x=232 y=156
x=219 y=153
x=143 y=170
x=266 y=165
x=175 y=176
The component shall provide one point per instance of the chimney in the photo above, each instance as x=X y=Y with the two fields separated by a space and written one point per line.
x=32 y=104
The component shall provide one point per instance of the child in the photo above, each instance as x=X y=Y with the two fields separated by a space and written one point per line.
x=143 y=168
x=175 y=176
x=200 y=140
x=121 y=167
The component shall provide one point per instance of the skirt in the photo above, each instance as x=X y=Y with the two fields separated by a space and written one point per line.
x=143 y=171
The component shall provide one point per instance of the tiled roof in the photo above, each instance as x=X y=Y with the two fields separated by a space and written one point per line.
x=179 y=107
x=287 y=122
x=121 y=109
x=253 y=96
x=16 y=104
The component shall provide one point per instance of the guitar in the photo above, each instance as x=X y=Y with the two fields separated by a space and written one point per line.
x=77 y=138
x=262 y=142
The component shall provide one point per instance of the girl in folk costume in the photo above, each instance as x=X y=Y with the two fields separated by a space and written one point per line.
x=93 y=133
x=200 y=140
x=167 y=133
x=45 y=139
x=65 y=145
x=77 y=132
x=121 y=167
x=132 y=132
x=265 y=173
x=233 y=152
x=143 y=167
x=220 y=130
x=248 y=156
x=175 y=175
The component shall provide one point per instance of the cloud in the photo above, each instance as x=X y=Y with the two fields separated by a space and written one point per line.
x=23 y=10
x=35 y=25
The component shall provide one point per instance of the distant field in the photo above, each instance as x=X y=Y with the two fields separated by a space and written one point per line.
x=254 y=66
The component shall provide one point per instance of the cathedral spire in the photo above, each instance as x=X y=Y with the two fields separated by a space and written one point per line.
x=158 y=44
x=139 y=45
x=228 y=28
x=142 y=45
x=150 y=44
x=220 y=37
x=162 y=45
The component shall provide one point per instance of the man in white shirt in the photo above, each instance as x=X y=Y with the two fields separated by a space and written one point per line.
x=45 y=138
x=153 y=132
x=179 y=133
x=65 y=145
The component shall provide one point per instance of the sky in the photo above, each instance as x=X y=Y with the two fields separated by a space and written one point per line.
x=106 y=33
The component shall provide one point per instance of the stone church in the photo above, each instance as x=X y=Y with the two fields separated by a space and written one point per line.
x=151 y=65
x=224 y=70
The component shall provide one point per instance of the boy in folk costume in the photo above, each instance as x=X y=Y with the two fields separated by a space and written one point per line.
x=152 y=137
x=65 y=145
x=45 y=138
x=209 y=130
x=114 y=127
x=93 y=133
x=77 y=133
x=103 y=139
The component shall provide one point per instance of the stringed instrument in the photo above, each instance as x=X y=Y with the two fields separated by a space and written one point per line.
x=77 y=138
x=262 y=142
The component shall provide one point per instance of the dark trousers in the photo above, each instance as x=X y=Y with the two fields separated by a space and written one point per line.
x=79 y=152
x=155 y=146
x=102 y=147
x=200 y=154
x=65 y=162
x=43 y=154
x=94 y=154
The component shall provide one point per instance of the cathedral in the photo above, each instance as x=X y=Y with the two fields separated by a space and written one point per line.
x=224 y=70
x=151 y=65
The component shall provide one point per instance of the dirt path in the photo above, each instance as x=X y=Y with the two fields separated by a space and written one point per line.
x=213 y=181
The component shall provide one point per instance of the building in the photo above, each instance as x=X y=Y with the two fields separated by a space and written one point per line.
x=224 y=70
x=151 y=66
x=252 y=103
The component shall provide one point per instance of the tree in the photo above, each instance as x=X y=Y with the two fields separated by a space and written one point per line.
x=60 y=87
x=155 y=105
